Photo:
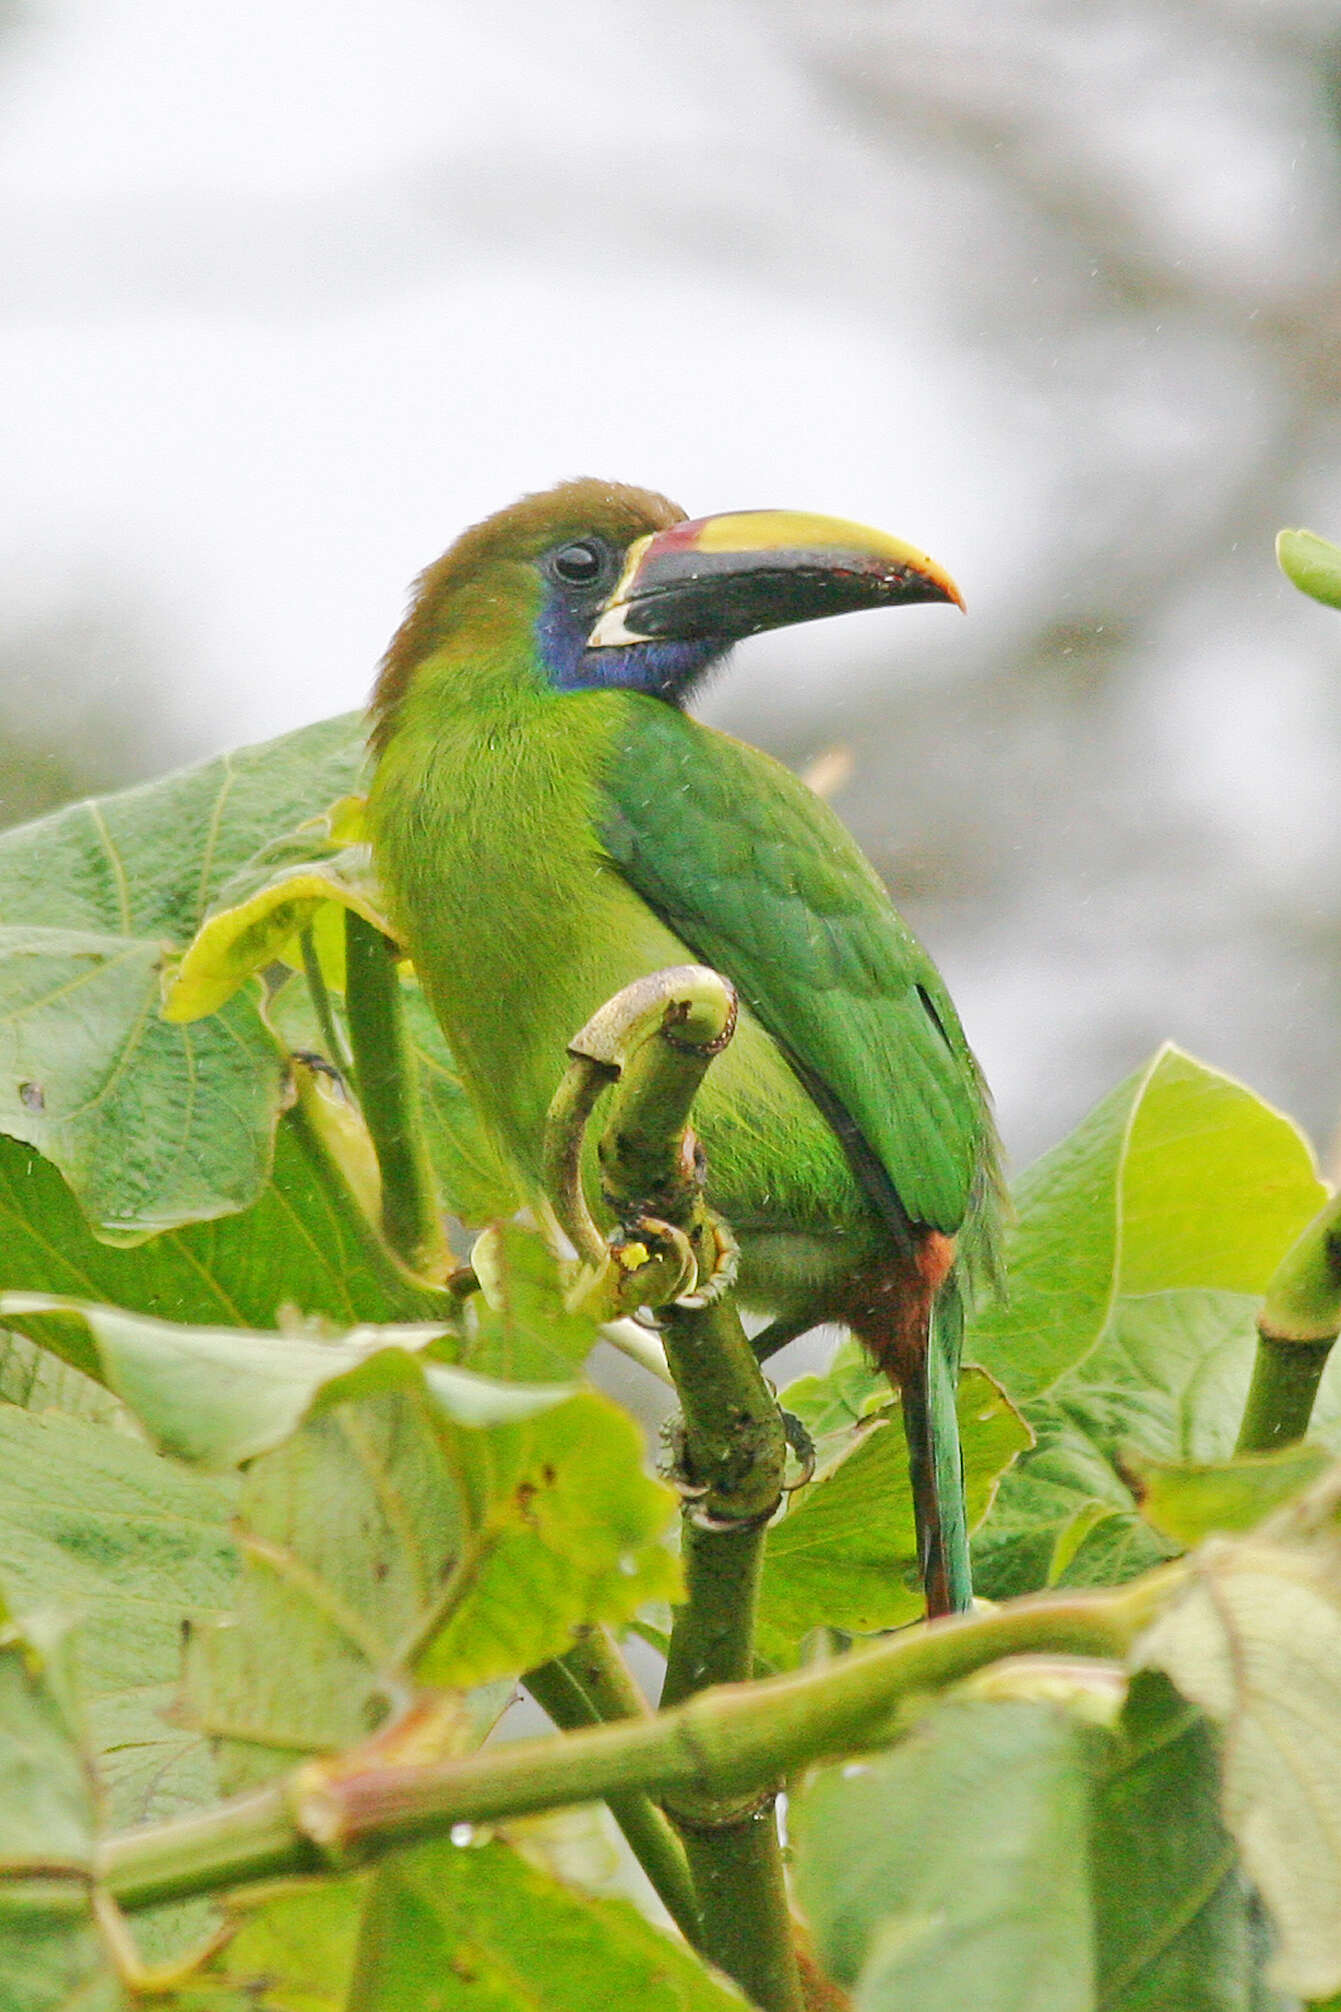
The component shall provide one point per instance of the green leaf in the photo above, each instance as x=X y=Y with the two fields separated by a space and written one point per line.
x=152 y=1126
x=519 y=1327
x=922 y=1870
x=832 y=1405
x=1175 y=1925
x=1312 y=564
x=95 y=1524
x=1168 y=1376
x=1255 y=1641
x=1164 y=1390
x=291 y=1950
x=1061 y=1517
x=388 y=1543
x=46 y=1795
x=568 y=1533
x=220 y=1396
x=1181 y=1177
x=258 y=920
x=150 y=860
x=50 y=1954
x=478 y=1929
x=1167 y=1381
x=1190 y=1500
x=1140 y=1247
x=1011 y=1854
x=303 y=1246
x=845 y=1554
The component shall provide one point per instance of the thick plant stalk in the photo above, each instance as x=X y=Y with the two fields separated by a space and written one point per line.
x=1296 y=1329
x=657 y=1040
x=385 y=1076
x=733 y=1455
x=349 y=1198
x=734 y=1741
x=336 y=1051
x=557 y=1689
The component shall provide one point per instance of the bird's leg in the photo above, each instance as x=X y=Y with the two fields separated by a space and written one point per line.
x=771 y=1339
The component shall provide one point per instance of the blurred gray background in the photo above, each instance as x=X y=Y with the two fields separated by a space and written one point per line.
x=291 y=291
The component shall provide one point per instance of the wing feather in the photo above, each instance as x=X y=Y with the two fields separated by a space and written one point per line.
x=759 y=878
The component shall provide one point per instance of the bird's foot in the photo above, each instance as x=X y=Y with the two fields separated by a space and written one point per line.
x=721 y=1276
x=656 y=1267
x=803 y=1446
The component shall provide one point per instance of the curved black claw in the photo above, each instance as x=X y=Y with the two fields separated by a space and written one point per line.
x=803 y=1446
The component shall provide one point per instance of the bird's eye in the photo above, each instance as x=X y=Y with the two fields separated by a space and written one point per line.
x=579 y=564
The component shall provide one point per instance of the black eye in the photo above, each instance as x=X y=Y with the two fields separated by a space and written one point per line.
x=581 y=563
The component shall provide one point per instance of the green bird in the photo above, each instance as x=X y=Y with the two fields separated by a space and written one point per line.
x=550 y=824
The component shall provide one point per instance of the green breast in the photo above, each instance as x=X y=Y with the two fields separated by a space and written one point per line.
x=486 y=824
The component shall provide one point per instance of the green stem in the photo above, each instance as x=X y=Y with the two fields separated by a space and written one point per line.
x=388 y=1092
x=735 y=1741
x=662 y=1036
x=556 y=1689
x=746 y=1857
x=336 y=1051
x=734 y=1455
x=251 y=1838
x=334 y=1181
x=605 y=1677
x=1296 y=1329
x=1286 y=1375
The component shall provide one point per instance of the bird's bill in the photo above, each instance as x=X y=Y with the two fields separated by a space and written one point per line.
x=748 y=570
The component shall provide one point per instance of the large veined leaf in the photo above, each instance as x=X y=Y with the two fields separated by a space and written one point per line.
x=151 y=1125
x=1167 y=1379
x=1162 y=1394
x=474 y=1926
x=291 y=1949
x=1015 y=1856
x=150 y=860
x=51 y=1957
x=1141 y=1247
x=845 y=1553
x=94 y=1524
x=1180 y=1177
x=219 y=1396
x=403 y=1520
x=303 y=1247
x=386 y=1545
x=1255 y=1641
x=926 y=1864
x=461 y=1927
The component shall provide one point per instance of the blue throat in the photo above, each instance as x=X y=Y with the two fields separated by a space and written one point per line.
x=664 y=670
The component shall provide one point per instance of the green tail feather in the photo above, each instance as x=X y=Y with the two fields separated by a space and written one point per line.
x=931 y=1425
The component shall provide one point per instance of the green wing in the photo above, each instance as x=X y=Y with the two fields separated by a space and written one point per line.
x=760 y=879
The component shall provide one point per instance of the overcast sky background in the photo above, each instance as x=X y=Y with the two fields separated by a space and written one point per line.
x=292 y=292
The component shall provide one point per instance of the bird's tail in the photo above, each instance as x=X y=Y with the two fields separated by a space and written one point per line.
x=931 y=1426
x=909 y=1311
